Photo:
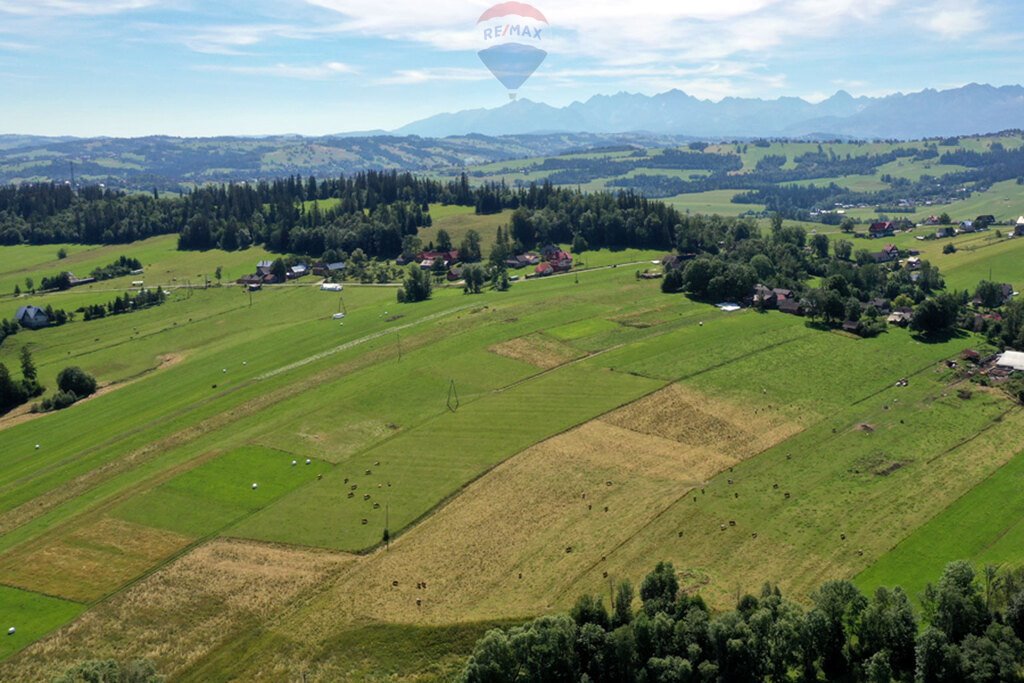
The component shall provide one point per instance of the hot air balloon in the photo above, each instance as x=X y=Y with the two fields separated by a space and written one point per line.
x=513 y=33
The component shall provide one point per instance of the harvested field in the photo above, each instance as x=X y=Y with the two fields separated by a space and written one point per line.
x=537 y=350
x=91 y=561
x=517 y=542
x=699 y=421
x=182 y=612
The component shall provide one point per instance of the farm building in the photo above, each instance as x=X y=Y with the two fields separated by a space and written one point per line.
x=791 y=306
x=523 y=260
x=32 y=317
x=544 y=269
x=882 y=229
x=328 y=269
x=454 y=275
x=448 y=257
x=297 y=271
x=1013 y=360
x=889 y=254
x=263 y=267
x=900 y=317
x=765 y=297
x=1020 y=227
x=944 y=231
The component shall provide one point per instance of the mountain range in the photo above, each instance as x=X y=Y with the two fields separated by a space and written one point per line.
x=930 y=113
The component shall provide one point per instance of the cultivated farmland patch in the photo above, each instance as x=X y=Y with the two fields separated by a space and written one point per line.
x=538 y=350
x=180 y=613
x=91 y=561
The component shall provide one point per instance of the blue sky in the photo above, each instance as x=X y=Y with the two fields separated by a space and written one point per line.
x=184 y=67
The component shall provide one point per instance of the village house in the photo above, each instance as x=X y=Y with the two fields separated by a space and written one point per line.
x=765 y=297
x=297 y=271
x=967 y=227
x=901 y=317
x=791 y=306
x=1019 y=230
x=544 y=269
x=328 y=269
x=561 y=261
x=32 y=317
x=882 y=229
x=944 y=231
x=523 y=260
x=427 y=259
x=264 y=267
x=889 y=254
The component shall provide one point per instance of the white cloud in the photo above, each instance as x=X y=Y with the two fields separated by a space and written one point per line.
x=616 y=32
x=315 y=72
x=35 y=8
x=950 y=20
x=431 y=75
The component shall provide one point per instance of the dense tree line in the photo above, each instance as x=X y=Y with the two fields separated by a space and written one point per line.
x=127 y=303
x=14 y=393
x=124 y=265
x=73 y=384
x=966 y=634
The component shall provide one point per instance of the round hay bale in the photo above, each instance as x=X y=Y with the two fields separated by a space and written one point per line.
x=608 y=483
x=590 y=506
x=377 y=464
x=754 y=535
x=604 y=575
x=394 y=584
x=346 y=480
x=351 y=495
x=294 y=463
x=730 y=481
x=309 y=461
x=732 y=522
x=419 y=602
x=787 y=495
x=37 y=447
x=606 y=508
x=369 y=472
x=568 y=549
x=680 y=535
x=842 y=537
x=366 y=496
x=775 y=487
x=319 y=477
x=376 y=506
x=365 y=521
x=737 y=495
x=721 y=527
x=11 y=631
x=520 y=575
x=255 y=486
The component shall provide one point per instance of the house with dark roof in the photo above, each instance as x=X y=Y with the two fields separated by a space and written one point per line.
x=765 y=297
x=263 y=267
x=888 y=255
x=882 y=229
x=32 y=317
x=944 y=231
x=791 y=306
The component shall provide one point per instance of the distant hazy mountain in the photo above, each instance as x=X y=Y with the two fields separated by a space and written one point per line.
x=167 y=162
x=963 y=111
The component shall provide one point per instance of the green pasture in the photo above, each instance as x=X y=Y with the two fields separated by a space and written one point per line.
x=985 y=526
x=218 y=492
x=32 y=616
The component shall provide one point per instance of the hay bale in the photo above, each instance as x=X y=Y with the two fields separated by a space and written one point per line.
x=309 y=461
x=680 y=535
x=568 y=549
x=732 y=522
x=366 y=496
x=787 y=495
x=365 y=521
x=294 y=463
x=606 y=508
x=369 y=472
x=319 y=477
x=11 y=631
x=721 y=527
x=377 y=464
x=351 y=495
x=255 y=486
x=394 y=584
x=753 y=535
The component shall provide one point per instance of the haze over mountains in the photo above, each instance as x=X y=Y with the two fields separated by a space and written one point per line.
x=520 y=129
x=929 y=113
